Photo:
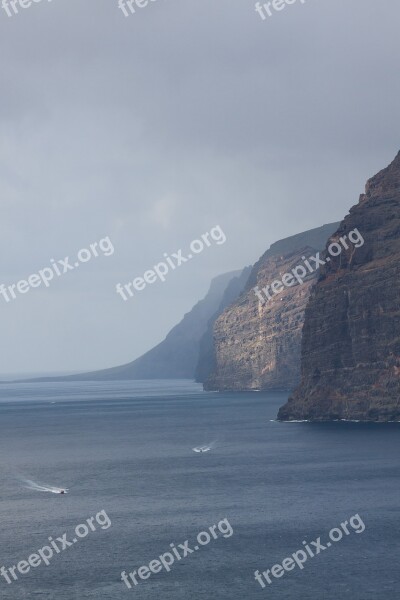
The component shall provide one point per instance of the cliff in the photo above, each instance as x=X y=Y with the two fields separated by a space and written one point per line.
x=350 y=361
x=257 y=346
x=207 y=359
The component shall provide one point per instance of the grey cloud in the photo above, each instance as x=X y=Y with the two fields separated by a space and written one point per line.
x=154 y=128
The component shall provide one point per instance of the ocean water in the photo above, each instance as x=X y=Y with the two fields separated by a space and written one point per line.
x=126 y=448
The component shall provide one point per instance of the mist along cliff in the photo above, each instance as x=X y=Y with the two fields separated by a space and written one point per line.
x=177 y=356
x=351 y=341
x=257 y=346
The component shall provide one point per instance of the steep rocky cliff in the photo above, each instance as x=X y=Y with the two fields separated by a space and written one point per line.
x=207 y=359
x=351 y=339
x=257 y=346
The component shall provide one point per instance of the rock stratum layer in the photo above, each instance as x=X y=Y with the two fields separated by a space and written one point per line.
x=257 y=346
x=350 y=361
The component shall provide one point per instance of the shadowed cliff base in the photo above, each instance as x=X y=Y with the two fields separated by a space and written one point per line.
x=350 y=360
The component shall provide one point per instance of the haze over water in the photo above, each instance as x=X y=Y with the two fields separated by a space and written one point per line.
x=126 y=448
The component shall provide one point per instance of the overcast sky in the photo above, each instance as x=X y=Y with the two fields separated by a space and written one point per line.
x=154 y=128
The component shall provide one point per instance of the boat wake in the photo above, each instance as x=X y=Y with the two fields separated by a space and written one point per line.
x=205 y=448
x=31 y=485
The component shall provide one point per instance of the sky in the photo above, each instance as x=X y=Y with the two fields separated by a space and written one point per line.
x=152 y=129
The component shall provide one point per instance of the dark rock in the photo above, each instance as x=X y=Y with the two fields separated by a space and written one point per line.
x=350 y=361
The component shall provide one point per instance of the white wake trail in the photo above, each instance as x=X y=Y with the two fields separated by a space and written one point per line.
x=31 y=485
x=205 y=448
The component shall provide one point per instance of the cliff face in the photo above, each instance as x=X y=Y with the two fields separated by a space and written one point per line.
x=351 y=339
x=207 y=359
x=257 y=346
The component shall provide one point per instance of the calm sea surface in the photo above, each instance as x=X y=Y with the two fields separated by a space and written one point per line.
x=126 y=448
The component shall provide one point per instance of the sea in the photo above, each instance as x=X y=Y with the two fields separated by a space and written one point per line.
x=123 y=452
